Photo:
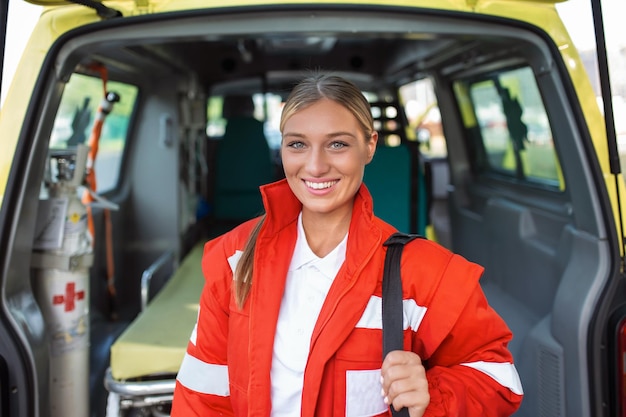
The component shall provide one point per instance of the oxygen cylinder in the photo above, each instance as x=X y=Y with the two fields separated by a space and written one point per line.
x=61 y=262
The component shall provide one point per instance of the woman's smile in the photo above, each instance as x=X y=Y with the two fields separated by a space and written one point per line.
x=320 y=185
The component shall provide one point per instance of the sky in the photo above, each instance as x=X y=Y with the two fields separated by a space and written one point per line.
x=576 y=14
x=578 y=19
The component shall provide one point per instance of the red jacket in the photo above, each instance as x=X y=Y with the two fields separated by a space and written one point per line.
x=448 y=323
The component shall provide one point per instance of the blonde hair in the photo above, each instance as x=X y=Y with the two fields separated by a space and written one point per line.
x=312 y=89
x=307 y=92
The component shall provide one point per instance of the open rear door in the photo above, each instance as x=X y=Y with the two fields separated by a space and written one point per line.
x=4 y=335
x=616 y=317
x=18 y=381
x=607 y=101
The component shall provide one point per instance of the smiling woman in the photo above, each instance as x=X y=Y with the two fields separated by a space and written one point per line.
x=326 y=249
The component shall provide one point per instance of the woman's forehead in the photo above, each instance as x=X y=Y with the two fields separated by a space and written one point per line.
x=322 y=113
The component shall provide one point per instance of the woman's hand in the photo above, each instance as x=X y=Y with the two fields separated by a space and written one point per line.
x=404 y=382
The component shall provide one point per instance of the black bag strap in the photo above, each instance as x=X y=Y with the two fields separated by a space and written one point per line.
x=392 y=299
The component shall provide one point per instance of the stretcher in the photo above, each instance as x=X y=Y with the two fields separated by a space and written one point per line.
x=146 y=357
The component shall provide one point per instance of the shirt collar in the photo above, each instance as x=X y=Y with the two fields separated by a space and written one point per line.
x=303 y=255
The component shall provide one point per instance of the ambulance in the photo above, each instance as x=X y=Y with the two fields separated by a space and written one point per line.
x=136 y=130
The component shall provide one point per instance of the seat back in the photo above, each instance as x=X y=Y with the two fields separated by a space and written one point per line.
x=243 y=163
x=388 y=179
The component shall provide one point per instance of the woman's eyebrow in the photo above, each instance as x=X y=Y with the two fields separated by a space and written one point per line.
x=293 y=134
x=341 y=133
x=331 y=135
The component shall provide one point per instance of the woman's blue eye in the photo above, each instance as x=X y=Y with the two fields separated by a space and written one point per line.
x=337 y=145
x=295 y=145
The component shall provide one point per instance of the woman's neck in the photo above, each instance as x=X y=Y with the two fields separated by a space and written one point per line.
x=324 y=232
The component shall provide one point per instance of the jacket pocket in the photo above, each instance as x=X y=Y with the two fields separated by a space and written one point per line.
x=363 y=394
x=357 y=375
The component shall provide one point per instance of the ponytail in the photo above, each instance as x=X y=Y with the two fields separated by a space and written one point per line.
x=244 y=269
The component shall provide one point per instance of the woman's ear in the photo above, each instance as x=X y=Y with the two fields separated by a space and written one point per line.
x=371 y=146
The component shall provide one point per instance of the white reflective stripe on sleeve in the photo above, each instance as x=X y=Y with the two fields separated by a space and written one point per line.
x=202 y=377
x=504 y=373
x=233 y=260
x=413 y=314
x=194 y=332
x=363 y=394
x=372 y=318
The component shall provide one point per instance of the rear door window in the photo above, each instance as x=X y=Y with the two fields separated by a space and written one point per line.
x=508 y=126
x=75 y=119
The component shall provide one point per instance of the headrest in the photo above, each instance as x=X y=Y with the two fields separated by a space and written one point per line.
x=238 y=105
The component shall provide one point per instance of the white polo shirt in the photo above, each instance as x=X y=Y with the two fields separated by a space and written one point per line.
x=308 y=281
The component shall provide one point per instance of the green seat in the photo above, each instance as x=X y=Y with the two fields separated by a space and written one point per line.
x=388 y=178
x=243 y=164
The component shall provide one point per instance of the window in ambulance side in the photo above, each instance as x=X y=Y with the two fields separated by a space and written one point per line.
x=425 y=126
x=508 y=127
x=76 y=116
x=424 y=118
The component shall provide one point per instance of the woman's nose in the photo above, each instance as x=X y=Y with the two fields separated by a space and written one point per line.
x=317 y=164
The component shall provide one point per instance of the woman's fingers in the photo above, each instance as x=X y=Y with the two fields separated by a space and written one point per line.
x=404 y=382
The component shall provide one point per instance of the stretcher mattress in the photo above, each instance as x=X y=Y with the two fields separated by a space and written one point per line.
x=156 y=341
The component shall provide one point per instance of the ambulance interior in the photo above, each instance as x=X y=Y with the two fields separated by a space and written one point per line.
x=469 y=155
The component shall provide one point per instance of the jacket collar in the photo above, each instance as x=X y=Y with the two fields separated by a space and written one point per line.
x=282 y=207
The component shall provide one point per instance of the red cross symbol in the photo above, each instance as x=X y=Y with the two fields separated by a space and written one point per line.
x=69 y=298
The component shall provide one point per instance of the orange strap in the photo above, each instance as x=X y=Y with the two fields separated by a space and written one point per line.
x=90 y=179
x=94 y=139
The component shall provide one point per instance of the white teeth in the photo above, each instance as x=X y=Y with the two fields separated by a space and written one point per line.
x=320 y=185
